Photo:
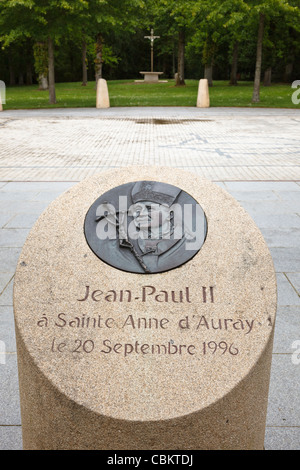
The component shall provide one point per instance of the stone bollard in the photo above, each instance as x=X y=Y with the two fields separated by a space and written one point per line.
x=203 y=94
x=102 y=98
x=2 y=94
x=144 y=304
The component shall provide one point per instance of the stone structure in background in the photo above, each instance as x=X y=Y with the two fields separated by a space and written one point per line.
x=151 y=77
x=2 y=94
x=102 y=98
x=203 y=94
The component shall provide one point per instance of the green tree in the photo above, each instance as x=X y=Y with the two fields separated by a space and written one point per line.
x=216 y=24
x=173 y=17
x=42 y=20
x=40 y=52
x=278 y=10
x=102 y=20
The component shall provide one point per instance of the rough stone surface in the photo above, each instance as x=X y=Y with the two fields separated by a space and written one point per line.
x=82 y=388
x=203 y=94
x=102 y=99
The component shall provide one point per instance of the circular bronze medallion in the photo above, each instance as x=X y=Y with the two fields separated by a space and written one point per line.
x=145 y=227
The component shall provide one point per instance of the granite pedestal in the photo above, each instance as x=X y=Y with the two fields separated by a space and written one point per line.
x=112 y=359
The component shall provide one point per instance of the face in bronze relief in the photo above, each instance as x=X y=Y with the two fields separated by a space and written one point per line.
x=145 y=227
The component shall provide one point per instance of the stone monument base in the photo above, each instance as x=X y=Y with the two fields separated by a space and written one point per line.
x=151 y=77
x=112 y=356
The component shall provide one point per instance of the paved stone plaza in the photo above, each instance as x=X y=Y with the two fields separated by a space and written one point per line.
x=252 y=153
x=219 y=144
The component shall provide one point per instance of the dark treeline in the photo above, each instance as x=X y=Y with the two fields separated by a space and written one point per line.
x=43 y=41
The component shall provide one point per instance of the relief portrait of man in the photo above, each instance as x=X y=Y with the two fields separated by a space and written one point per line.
x=145 y=227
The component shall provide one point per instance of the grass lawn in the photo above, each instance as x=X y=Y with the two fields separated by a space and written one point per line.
x=129 y=93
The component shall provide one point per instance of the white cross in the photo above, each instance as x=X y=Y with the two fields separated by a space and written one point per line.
x=152 y=37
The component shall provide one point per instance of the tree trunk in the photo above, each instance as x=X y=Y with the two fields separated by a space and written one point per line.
x=255 y=96
x=41 y=63
x=12 y=77
x=43 y=82
x=288 y=72
x=208 y=73
x=174 y=61
x=268 y=76
x=233 y=74
x=99 y=58
x=84 y=64
x=181 y=50
x=21 y=79
x=28 y=74
x=52 y=95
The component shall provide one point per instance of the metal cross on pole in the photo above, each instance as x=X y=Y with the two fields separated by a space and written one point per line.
x=152 y=37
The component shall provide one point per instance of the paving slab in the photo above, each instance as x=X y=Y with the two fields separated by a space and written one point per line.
x=262 y=186
x=7 y=330
x=5 y=278
x=35 y=187
x=287 y=295
x=13 y=237
x=287 y=329
x=24 y=206
x=282 y=438
x=9 y=258
x=283 y=409
x=11 y=196
x=9 y=392
x=6 y=297
x=5 y=217
x=284 y=238
x=22 y=221
x=286 y=259
x=294 y=279
x=275 y=206
x=277 y=220
x=249 y=196
x=11 y=437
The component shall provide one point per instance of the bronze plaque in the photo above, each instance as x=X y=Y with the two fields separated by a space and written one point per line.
x=145 y=227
